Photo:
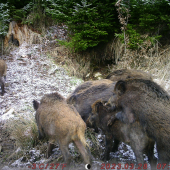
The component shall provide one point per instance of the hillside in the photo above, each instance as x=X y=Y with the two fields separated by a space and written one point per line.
x=56 y=46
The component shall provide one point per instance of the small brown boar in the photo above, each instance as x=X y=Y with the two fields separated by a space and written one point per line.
x=131 y=134
x=146 y=102
x=60 y=123
x=3 y=70
x=124 y=74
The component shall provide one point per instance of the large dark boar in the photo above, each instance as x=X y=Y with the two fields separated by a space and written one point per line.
x=146 y=102
x=131 y=134
x=3 y=70
x=60 y=123
x=124 y=74
x=87 y=93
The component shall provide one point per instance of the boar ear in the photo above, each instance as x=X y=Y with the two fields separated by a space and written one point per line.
x=120 y=87
x=72 y=99
x=96 y=106
x=35 y=104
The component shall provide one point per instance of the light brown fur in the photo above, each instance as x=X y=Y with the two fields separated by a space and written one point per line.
x=60 y=123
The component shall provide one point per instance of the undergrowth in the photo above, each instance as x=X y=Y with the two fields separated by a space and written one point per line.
x=148 y=58
x=23 y=130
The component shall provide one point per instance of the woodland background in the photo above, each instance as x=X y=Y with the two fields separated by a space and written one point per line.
x=100 y=34
x=87 y=39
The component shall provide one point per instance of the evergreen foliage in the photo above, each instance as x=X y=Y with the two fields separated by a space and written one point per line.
x=4 y=19
x=149 y=18
x=91 y=23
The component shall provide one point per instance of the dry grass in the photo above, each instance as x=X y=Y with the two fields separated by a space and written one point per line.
x=23 y=130
x=75 y=66
x=148 y=58
x=8 y=49
x=92 y=140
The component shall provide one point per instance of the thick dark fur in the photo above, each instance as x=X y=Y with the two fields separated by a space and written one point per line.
x=131 y=134
x=146 y=102
x=3 y=70
x=87 y=93
x=52 y=98
x=58 y=122
x=124 y=74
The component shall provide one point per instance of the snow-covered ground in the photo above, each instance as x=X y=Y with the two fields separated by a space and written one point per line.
x=30 y=75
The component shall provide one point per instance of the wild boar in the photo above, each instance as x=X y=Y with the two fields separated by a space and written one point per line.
x=131 y=134
x=124 y=74
x=3 y=70
x=146 y=102
x=90 y=91
x=60 y=123
x=87 y=93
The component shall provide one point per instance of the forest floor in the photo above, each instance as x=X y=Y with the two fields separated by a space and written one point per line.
x=32 y=73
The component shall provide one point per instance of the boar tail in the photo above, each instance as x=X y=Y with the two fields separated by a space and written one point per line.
x=81 y=135
x=35 y=104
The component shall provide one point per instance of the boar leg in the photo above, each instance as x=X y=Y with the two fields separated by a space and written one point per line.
x=2 y=86
x=138 y=143
x=109 y=146
x=139 y=156
x=150 y=153
x=116 y=145
x=66 y=154
x=162 y=157
x=49 y=149
x=40 y=135
x=82 y=151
